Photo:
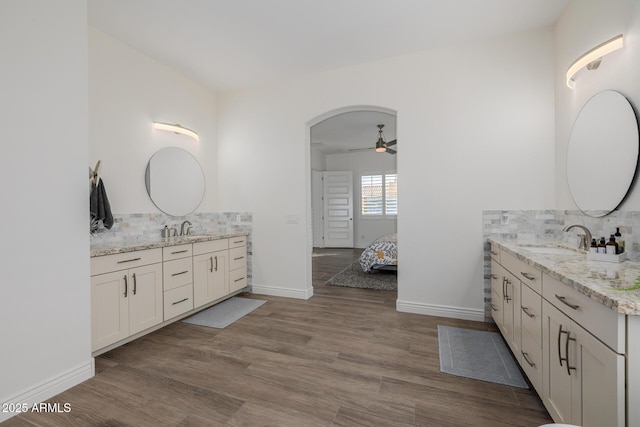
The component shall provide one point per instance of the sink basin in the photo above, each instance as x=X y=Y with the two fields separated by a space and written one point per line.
x=549 y=250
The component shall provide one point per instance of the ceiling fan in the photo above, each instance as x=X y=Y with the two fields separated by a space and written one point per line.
x=381 y=146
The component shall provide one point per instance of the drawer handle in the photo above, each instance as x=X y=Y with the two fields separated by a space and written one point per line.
x=178 y=302
x=526 y=311
x=237 y=280
x=238 y=241
x=240 y=257
x=525 y=356
x=179 y=252
x=129 y=260
x=527 y=275
x=126 y=285
x=493 y=276
x=493 y=307
x=564 y=301
x=494 y=253
x=182 y=272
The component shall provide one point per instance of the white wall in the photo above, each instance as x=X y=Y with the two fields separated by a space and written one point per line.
x=127 y=92
x=476 y=125
x=585 y=24
x=44 y=277
x=365 y=230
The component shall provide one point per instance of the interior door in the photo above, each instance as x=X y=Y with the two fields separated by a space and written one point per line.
x=338 y=209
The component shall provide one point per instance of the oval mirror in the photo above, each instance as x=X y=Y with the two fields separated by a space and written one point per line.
x=174 y=181
x=603 y=153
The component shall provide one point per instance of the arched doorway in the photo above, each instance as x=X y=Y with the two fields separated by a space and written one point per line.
x=343 y=140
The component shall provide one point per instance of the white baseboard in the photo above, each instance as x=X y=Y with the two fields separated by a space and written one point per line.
x=277 y=291
x=440 y=310
x=49 y=388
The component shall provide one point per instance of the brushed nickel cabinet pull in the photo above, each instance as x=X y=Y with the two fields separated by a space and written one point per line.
x=526 y=311
x=129 y=260
x=493 y=276
x=525 y=356
x=494 y=253
x=237 y=280
x=238 y=241
x=564 y=301
x=562 y=359
x=211 y=268
x=135 y=284
x=236 y=259
x=493 y=307
x=179 y=252
x=216 y=268
x=527 y=275
x=182 y=272
x=566 y=350
x=126 y=285
x=178 y=302
x=506 y=289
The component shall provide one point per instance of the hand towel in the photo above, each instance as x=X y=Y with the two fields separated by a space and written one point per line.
x=99 y=205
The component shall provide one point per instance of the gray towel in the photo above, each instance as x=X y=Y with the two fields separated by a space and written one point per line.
x=99 y=205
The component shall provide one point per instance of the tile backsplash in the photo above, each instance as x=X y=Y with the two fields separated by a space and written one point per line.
x=548 y=225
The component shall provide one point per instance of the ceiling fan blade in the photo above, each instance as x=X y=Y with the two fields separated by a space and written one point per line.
x=391 y=151
x=361 y=149
x=392 y=142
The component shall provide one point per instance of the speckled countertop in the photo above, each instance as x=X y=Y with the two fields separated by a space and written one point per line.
x=125 y=245
x=601 y=281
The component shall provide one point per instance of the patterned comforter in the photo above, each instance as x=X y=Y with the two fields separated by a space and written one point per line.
x=381 y=253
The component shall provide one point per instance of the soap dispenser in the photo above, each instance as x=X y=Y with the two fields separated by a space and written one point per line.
x=612 y=246
x=619 y=240
x=602 y=246
x=165 y=232
x=594 y=246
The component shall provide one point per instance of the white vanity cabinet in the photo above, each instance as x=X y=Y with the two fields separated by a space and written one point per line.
x=177 y=280
x=572 y=348
x=210 y=271
x=584 y=379
x=126 y=295
x=237 y=263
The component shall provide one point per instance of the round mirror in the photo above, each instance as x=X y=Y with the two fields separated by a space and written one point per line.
x=603 y=153
x=175 y=182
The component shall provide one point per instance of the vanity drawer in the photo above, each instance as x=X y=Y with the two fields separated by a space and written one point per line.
x=531 y=307
x=237 y=279
x=497 y=274
x=237 y=257
x=526 y=273
x=177 y=252
x=177 y=273
x=235 y=242
x=178 y=301
x=124 y=261
x=531 y=361
x=210 y=246
x=602 y=322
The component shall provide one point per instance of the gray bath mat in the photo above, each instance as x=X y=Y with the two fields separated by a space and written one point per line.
x=225 y=313
x=479 y=355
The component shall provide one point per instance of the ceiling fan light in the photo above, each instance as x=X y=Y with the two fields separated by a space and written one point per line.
x=380 y=146
x=381 y=149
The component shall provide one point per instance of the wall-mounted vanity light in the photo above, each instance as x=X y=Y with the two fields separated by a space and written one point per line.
x=176 y=129
x=591 y=59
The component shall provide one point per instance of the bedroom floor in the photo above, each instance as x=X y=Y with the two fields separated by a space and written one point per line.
x=344 y=357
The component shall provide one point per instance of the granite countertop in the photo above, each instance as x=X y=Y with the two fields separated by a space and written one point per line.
x=600 y=281
x=130 y=245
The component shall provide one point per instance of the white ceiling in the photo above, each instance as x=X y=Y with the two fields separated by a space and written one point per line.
x=234 y=44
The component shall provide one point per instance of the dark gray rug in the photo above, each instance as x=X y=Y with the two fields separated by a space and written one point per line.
x=225 y=313
x=479 y=355
x=354 y=277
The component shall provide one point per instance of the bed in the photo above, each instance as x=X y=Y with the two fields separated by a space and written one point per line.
x=382 y=254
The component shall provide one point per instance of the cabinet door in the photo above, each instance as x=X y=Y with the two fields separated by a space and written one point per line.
x=556 y=374
x=210 y=277
x=508 y=300
x=600 y=386
x=109 y=309
x=145 y=297
x=497 y=289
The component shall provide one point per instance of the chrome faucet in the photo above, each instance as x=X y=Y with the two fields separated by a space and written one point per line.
x=182 y=231
x=585 y=239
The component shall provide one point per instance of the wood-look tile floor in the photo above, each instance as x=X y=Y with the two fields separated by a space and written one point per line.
x=344 y=357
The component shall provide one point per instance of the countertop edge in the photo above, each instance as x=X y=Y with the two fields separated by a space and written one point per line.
x=622 y=305
x=111 y=248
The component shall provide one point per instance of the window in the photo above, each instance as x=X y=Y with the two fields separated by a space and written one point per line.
x=379 y=194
